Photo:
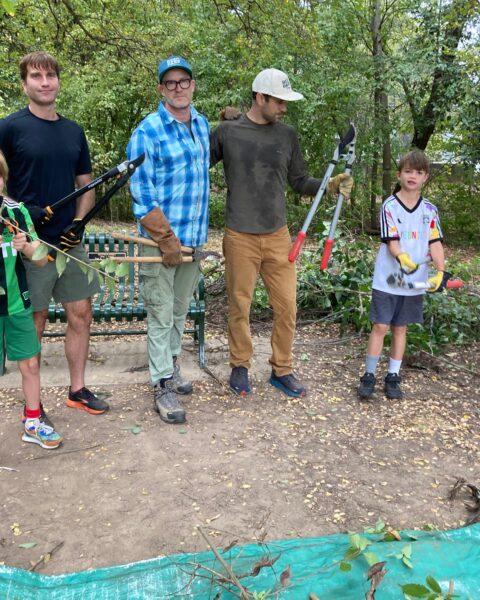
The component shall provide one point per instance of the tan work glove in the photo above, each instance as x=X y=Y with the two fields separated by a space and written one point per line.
x=340 y=184
x=158 y=227
x=230 y=113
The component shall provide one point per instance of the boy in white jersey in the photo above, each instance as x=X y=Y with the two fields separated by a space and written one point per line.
x=410 y=232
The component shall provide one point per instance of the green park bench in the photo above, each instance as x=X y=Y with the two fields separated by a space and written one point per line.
x=123 y=304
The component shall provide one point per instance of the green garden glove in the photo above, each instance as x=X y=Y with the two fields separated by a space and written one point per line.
x=341 y=184
x=407 y=265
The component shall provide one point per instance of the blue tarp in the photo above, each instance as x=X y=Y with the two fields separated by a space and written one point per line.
x=314 y=566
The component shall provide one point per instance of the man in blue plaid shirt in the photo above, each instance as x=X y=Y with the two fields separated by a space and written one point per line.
x=170 y=202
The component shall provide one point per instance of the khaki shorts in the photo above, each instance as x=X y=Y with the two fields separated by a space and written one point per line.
x=45 y=283
x=20 y=335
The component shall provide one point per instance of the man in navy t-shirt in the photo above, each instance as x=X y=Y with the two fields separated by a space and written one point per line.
x=48 y=158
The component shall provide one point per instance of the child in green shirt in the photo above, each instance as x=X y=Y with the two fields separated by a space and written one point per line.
x=17 y=328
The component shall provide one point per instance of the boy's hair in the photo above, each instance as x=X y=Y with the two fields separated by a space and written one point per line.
x=3 y=167
x=38 y=60
x=415 y=159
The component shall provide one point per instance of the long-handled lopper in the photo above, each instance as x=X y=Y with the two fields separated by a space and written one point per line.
x=128 y=168
x=327 y=249
x=342 y=150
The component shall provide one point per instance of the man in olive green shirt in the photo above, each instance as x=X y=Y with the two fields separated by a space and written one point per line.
x=260 y=155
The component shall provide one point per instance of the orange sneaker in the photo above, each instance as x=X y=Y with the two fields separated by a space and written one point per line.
x=85 y=400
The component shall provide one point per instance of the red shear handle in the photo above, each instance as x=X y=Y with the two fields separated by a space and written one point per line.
x=327 y=250
x=454 y=284
x=295 y=251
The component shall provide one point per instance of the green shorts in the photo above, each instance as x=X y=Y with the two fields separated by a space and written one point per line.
x=20 y=335
x=45 y=283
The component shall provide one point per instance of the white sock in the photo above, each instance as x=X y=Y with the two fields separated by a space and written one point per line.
x=394 y=366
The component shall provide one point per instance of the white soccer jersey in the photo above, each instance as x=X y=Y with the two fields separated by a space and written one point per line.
x=415 y=229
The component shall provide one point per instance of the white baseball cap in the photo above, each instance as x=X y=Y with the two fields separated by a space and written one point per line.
x=275 y=83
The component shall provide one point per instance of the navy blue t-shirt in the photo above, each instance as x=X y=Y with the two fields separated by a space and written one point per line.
x=44 y=158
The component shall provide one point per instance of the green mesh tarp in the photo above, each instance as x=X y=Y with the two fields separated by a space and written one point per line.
x=314 y=568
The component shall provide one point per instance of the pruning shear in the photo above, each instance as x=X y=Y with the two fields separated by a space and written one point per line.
x=345 y=150
x=128 y=168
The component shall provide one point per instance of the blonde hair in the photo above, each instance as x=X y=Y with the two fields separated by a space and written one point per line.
x=3 y=167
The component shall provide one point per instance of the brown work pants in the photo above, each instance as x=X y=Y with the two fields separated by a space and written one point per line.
x=247 y=256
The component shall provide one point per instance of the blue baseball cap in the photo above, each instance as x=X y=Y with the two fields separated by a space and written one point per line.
x=173 y=62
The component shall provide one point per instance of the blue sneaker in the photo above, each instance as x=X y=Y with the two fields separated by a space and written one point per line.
x=41 y=434
x=289 y=384
x=239 y=381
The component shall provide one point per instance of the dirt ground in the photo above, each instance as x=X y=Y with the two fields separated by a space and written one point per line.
x=125 y=486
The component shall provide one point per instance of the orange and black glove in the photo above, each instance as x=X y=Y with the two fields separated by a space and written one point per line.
x=39 y=215
x=69 y=238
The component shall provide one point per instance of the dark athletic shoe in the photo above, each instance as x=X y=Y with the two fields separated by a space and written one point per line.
x=392 y=387
x=367 y=386
x=43 y=417
x=289 y=384
x=182 y=386
x=85 y=400
x=166 y=403
x=239 y=381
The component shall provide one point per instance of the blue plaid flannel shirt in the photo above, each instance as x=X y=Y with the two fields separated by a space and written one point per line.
x=174 y=175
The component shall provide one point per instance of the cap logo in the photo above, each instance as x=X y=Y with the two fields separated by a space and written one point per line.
x=173 y=61
x=286 y=84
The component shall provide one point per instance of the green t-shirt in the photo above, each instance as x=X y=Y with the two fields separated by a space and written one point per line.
x=14 y=294
x=258 y=161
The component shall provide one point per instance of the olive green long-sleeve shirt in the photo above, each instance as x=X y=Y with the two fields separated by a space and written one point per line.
x=258 y=161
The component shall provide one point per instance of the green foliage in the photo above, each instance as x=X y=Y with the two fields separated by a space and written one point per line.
x=217 y=209
x=9 y=6
x=432 y=591
x=357 y=548
x=40 y=252
x=405 y=555
x=109 y=51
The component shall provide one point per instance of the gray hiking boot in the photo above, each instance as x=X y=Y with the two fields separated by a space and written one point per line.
x=182 y=386
x=166 y=403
